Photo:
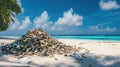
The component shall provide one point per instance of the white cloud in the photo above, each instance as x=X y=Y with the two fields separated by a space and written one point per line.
x=94 y=28
x=25 y=23
x=71 y=19
x=99 y=28
x=107 y=29
x=20 y=26
x=19 y=2
x=110 y=29
x=39 y=22
x=109 y=5
x=42 y=21
x=68 y=20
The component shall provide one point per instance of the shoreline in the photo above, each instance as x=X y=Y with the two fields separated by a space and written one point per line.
x=12 y=38
x=7 y=38
x=90 y=38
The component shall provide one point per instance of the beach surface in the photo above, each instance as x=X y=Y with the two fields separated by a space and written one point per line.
x=93 y=53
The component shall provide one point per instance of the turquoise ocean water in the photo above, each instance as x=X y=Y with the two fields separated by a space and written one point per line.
x=90 y=37
x=117 y=38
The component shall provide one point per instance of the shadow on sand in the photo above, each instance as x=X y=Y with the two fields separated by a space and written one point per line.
x=91 y=60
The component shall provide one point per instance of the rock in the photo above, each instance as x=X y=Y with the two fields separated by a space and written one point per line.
x=74 y=53
x=44 y=52
x=39 y=43
x=15 y=44
x=65 y=55
x=18 y=53
x=13 y=51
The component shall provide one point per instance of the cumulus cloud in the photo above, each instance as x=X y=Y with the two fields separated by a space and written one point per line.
x=96 y=27
x=68 y=20
x=110 y=29
x=25 y=23
x=109 y=5
x=20 y=26
x=42 y=21
x=107 y=29
x=102 y=28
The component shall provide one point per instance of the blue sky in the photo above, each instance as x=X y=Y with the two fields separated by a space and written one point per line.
x=67 y=17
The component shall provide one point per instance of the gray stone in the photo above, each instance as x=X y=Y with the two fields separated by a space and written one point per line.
x=39 y=43
x=44 y=52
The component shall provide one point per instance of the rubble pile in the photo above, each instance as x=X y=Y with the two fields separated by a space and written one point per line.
x=39 y=43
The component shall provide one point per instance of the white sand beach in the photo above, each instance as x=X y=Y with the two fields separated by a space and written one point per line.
x=94 y=53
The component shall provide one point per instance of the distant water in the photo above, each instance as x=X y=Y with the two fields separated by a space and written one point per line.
x=14 y=37
x=90 y=37
x=79 y=37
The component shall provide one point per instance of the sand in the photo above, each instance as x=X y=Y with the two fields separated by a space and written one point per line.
x=94 y=53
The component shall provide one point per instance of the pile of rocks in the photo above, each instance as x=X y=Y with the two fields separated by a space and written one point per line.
x=38 y=42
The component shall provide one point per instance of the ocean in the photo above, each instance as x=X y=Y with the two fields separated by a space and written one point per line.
x=117 y=38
